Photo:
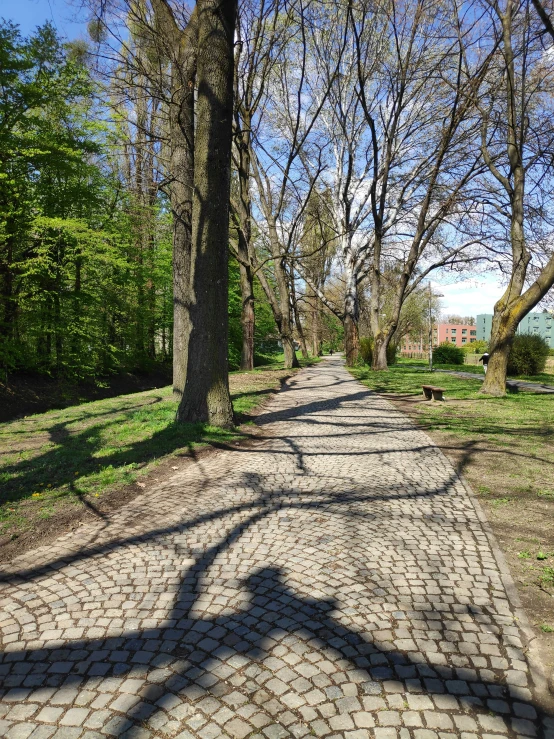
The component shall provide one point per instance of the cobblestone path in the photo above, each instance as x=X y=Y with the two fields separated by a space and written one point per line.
x=333 y=581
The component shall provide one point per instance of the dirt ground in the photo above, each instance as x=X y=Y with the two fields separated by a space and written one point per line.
x=26 y=394
x=513 y=486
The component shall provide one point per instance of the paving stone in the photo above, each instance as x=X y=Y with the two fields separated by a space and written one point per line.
x=50 y=714
x=238 y=729
x=332 y=579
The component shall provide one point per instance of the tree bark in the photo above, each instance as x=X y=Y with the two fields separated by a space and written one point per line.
x=206 y=395
x=379 y=358
x=285 y=323
x=181 y=121
x=351 y=340
x=244 y=247
x=315 y=327
x=298 y=324
x=499 y=350
x=247 y=318
x=350 y=320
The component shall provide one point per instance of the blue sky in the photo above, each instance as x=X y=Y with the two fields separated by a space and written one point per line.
x=67 y=17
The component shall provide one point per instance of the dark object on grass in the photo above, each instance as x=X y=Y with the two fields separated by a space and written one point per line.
x=433 y=393
x=485 y=360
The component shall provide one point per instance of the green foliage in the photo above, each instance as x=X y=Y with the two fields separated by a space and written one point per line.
x=332 y=332
x=476 y=347
x=447 y=353
x=527 y=355
x=85 y=263
x=235 y=304
x=366 y=351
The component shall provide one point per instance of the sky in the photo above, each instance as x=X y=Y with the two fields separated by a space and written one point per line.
x=466 y=296
x=470 y=296
x=28 y=14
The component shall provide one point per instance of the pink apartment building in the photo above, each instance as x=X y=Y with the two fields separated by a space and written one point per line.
x=455 y=333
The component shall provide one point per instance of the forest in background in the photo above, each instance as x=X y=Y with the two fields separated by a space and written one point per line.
x=86 y=287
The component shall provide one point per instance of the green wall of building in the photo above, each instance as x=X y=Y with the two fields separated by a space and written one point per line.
x=533 y=323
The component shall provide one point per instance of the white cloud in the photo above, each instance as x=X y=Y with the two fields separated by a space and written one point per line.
x=469 y=297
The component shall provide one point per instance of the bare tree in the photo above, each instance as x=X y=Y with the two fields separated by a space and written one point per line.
x=261 y=36
x=517 y=139
x=283 y=137
x=314 y=258
x=349 y=156
x=422 y=121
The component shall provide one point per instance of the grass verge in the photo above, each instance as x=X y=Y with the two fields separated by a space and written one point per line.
x=505 y=449
x=59 y=465
x=475 y=369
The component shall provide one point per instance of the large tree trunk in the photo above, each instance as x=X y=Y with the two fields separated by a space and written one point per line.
x=379 y=358
x=206 y=394
x=507 y=311
x=351 y=340
x=504 y=326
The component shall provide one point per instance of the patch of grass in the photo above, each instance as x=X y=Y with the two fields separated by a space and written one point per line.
x=524 y=554
x=77 y=453
x=547 y=629
x=500 y=501
x=546 y=578
x=475 y=369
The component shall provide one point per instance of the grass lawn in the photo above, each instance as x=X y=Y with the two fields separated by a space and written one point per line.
x=505 y=449
x=61 y=464
x=475 y=369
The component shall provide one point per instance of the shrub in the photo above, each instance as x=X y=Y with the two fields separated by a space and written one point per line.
x=527 y=355
x=366 y=351
x=447 y=353
x=475 y=347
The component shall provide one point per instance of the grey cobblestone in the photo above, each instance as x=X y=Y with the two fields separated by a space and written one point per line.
x=333 y=579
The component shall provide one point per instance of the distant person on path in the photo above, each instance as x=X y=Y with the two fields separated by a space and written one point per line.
x=485 y=360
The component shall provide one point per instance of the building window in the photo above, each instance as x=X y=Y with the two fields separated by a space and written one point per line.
x=472 y=340
x=473 y=333
x=464 y=331
x=453 y=339
x=452 y=331
x=464 y=339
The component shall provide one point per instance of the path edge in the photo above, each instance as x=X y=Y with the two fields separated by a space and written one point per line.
x=536 y=666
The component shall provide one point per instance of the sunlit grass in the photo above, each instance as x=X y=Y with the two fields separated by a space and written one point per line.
x=64 y=455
